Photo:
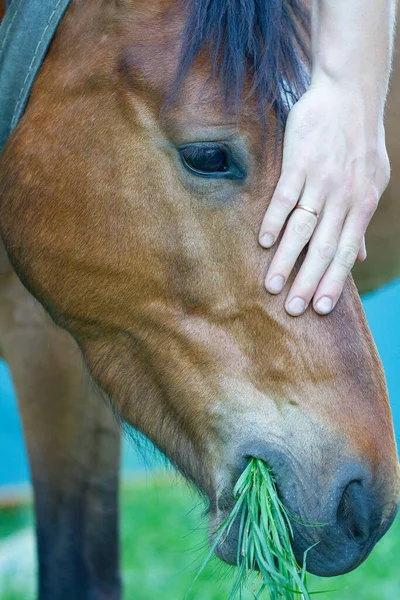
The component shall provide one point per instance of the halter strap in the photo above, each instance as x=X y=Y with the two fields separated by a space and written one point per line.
x=25 y=35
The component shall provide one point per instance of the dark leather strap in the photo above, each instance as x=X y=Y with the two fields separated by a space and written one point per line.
x=25 y=35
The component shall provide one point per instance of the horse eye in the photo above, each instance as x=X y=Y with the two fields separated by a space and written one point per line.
x=210 y=160
x=205 y=160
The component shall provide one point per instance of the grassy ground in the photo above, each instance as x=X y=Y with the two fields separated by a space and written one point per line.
x=164 y=538
x=13 y=518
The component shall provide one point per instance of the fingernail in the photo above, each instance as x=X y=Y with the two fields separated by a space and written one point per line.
x=267 y=240
x=275 y=284
x=296 y=306
x=324 y=305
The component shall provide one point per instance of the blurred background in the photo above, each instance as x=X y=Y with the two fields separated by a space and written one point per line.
x=164 y=531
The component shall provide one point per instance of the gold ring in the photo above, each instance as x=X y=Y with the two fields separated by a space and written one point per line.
x=308 y=209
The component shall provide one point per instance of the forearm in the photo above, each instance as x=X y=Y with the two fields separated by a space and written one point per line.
x=352 y=45
x=335 y=165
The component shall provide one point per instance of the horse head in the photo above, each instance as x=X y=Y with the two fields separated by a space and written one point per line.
x=130 y=208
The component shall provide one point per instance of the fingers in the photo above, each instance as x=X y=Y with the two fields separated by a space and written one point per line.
x=283 y=201
x=321 y=251
x=362 y=254
x=350 y=244
x=336 y=243
x=298 y=232
x=331 y=285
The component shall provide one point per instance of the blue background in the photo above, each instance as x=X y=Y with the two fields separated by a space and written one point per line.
x=383 y=314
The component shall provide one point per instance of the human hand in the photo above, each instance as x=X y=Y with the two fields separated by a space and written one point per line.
x=334 y=162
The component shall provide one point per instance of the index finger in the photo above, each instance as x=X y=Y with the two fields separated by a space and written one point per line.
x=284 y=199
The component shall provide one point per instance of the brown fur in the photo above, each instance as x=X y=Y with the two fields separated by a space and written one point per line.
x=159 y=277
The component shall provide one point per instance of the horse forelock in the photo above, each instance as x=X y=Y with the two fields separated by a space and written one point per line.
x=266 y=41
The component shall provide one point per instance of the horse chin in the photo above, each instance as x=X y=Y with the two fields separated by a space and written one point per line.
x=227 y=547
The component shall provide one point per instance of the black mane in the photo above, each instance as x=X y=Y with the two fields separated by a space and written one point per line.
x=265 y=40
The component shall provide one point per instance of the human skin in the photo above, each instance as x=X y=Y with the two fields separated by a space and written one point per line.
x=334 y=154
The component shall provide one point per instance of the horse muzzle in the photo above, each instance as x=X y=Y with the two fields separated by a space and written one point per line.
x=336 y=524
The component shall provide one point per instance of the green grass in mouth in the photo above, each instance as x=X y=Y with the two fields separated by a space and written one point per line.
x=266 y=561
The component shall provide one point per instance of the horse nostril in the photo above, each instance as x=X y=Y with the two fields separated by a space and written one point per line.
x=353 y=513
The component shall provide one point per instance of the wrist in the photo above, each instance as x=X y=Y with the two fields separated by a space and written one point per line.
x=358 y=93
x=352 y=46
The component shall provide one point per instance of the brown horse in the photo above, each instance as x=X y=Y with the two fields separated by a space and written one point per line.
x=156 y=272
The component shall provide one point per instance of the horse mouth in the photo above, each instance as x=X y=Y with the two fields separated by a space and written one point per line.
x=322 y=559
x=337 y=531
